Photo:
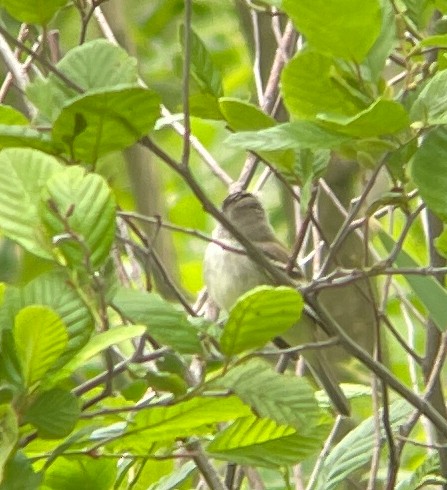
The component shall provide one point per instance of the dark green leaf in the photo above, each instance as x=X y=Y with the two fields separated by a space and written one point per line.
x=341 y=28
x=54 y=413
x=166 y=323
x=19 y=475
x=258 y=316
x=9 y=431
x=429 y=170
x=79 y=472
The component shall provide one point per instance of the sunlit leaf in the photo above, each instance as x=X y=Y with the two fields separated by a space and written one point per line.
x=33 y=11
x=261 y=442
x=258 y=316
x=40 y=337
x=341 y=28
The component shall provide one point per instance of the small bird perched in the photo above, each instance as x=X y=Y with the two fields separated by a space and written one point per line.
x=229 y=274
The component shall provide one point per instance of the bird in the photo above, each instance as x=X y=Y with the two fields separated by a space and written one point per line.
x=228 y=274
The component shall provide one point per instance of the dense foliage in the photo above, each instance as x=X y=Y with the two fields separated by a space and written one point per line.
x=123 y=125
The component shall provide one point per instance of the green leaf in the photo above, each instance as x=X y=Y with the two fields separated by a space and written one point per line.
x=54 y=413
x=97 y=64
x=286 y=399
x=341 y=28
x=26 y=137
x=258 y=316
x=105 y=120
x=430 y=108
x=261 y=442
x=380 y=118
x=96 y=344
x=175 y=478
x=11 y=117
x=85 y=205
x=182 y=419
x=33 y=11
x=313 y=85
x=384 y=44
x=356 y=448
x=9 y=431
x=429 y=170
x=166 y=323
x=293 y=135
x=19 y=475
x=24 y=172
x=243 y=116
x=426 y=473
x=52 y=290
x=203 y=69
x=429 y=291
x=40 y=337
x=78 y=472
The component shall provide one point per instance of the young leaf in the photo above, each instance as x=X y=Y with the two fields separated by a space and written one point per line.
x=261 y=442
x=203 y=68
x=182 y=419
x=380 y=118
x=40 y=337
x=258 y=316
x=11 y=116
x=166 y=323
x=312 y=86
x=243 y=116
x=52 y=290
x=54 y=413
x=105 y=120
x=82 y=206
x=429 y=170
x=341 y=28
x=24 y=172
x=286 y=399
